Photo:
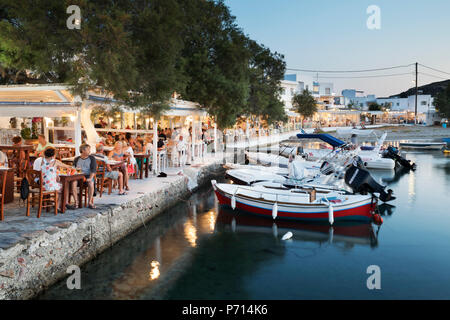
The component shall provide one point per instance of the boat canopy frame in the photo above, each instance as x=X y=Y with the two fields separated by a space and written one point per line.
x=325 y=137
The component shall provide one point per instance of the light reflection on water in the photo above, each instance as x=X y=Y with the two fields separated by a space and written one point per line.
x=198 y=251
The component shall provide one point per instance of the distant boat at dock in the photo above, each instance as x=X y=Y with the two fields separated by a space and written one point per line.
x=422 y=145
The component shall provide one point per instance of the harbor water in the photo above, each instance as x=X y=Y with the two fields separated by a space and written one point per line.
x=197 y=250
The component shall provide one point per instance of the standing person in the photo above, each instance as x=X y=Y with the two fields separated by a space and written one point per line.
x=88 y=166
x=42 y=145
x=109 y=173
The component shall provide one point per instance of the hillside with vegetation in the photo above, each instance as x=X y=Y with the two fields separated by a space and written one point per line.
x=432 y=88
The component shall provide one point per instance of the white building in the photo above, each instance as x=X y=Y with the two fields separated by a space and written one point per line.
x=290 y=86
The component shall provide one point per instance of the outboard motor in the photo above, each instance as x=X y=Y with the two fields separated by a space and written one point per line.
x=394 y=154
x=361 y=181
x=357 y=162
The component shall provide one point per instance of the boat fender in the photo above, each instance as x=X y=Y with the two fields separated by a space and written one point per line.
x=287 y=236
x=377 y=219
x=330 y=213
x=233 y=202
x=275 y=210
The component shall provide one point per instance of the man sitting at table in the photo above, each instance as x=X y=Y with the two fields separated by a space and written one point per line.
x=109 y=173
x=88 y=166
x=42 y=145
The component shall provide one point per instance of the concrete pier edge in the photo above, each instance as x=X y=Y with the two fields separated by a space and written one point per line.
x=32 y=265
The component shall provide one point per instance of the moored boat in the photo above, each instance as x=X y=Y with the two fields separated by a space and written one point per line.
x=303 y=204
x=423 y=145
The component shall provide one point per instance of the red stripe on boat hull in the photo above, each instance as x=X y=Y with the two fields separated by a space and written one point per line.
x=359 y=213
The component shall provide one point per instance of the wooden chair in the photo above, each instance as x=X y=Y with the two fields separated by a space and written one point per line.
x=3 y=174
x=44 y=199
x=101 y=179
x=64 y=152
x=20 y=167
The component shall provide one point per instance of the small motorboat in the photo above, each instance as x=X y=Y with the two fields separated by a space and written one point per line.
x=423 y=145
x=304 y=204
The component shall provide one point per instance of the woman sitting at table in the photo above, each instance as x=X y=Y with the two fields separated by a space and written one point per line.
x=118 y=154
x=148 y=146
x=49 y=169
x=129 y=152
x=17 y=142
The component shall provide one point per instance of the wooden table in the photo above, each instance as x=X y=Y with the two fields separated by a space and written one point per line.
x=144 y=163
x=9 y=187
x=66 y=181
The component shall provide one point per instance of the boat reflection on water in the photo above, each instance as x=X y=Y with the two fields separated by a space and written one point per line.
x=350 y=233
x=399 y=172
x=386 y=209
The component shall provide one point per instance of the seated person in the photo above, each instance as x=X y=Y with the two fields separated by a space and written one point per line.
x=161 y=145
x=109 y=173
x=50 y=174
x=118 y=154
x=109 y=141
x=17 y=142
x=3 y=159
x=42 y=145
x=37 y=165
x=148 y=146
x=88 y=166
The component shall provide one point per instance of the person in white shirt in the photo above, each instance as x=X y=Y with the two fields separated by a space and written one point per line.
x=37 y=164
x=3 y=159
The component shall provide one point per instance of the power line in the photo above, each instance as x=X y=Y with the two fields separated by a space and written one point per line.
x=434 y=69
x=350 y=71
x=432 y=75
x=362 y=77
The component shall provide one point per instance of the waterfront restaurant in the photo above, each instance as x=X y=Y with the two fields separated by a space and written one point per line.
x=67 y=121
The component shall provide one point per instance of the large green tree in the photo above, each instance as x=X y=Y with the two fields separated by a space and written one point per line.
x=442 y=102
x=141 y=51
x=127 y=48
x=304 y=104
x=266 y=70
x=215 y=60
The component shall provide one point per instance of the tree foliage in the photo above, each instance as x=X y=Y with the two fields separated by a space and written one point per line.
x=373 y=106
x=141 y=51
x=305 y=104
x=266 y=71
x=442 y=102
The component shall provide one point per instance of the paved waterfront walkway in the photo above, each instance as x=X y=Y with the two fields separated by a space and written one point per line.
x=17 y=226
x=276 y=138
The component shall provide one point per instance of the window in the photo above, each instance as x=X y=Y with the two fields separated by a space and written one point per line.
x=327 y=91
x=424 y=103
x=398 y=103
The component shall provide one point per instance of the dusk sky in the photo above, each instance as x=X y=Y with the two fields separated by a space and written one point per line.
x=332 y=35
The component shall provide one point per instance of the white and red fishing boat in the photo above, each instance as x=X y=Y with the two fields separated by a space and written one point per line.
x=277 y=202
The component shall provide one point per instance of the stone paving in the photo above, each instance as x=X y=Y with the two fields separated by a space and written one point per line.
x=17 y=227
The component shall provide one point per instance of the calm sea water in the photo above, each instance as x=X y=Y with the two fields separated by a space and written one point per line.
x=198 y=251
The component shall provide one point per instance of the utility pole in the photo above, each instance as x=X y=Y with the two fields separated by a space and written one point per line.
x=415 y=109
